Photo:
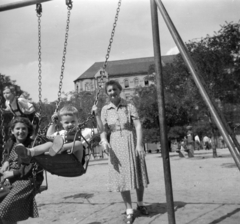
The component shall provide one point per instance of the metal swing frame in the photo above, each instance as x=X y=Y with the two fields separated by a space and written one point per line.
x=219 y=120
x=91 y=116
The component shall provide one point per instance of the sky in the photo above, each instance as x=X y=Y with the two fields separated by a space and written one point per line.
x=90 y=29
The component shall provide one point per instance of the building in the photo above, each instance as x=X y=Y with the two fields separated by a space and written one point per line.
x=130 y=73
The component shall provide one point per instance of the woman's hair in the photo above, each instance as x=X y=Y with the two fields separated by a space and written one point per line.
x=68 y=110
x=22 y=120
x=11 y=88
x=113 y=83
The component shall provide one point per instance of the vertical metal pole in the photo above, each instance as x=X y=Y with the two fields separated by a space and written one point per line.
x=161 y=111
x=198 y=82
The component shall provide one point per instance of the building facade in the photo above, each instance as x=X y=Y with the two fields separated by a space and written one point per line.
x=130 y=73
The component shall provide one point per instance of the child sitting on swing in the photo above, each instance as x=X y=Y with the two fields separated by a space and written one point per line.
x=63 y=140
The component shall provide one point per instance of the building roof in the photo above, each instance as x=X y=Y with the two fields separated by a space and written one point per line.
x=124 y=67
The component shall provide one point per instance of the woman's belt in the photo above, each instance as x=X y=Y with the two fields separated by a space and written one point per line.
x=114 y=128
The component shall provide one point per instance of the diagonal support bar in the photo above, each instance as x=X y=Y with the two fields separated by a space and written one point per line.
x=196 y=77
x=20 y=4
x=161 y=112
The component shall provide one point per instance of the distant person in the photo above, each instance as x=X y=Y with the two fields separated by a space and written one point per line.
x=206 y=142
x=190 y=142
x=19 y=106
x=197 y=142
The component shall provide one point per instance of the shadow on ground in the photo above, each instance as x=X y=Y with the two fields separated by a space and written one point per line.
x=228 y=165
x=220 y=219
x=83 y=195
x=160 y=208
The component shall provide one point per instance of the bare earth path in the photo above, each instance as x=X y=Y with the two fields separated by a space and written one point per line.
x=206 y=191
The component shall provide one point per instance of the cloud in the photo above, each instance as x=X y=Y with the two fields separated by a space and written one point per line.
x=173 y=50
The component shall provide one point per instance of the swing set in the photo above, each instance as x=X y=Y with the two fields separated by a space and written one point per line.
x=65 y=164
x=222 y=125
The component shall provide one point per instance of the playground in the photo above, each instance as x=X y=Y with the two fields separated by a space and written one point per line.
x=205 y=191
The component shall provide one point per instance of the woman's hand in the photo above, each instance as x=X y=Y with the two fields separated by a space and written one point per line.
x=140 y=150
x=7 y=175
x=106 y=146
x=94 y=110
x=4 y=167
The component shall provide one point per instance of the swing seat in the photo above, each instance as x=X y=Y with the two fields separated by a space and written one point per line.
x=65 y=165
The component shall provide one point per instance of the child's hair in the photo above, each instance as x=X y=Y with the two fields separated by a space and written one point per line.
x=22 y=120
x=68 y=110
x=11 y=88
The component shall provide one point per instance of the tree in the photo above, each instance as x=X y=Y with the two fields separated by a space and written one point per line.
x=145 y=100
x=218 y=60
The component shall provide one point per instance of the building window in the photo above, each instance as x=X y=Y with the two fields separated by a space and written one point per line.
x=87 y=87
x=136 y=82
x=146 y=82
x=126 y=83
x=77 y=88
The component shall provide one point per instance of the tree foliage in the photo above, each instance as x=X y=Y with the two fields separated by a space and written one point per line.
x=217 y=60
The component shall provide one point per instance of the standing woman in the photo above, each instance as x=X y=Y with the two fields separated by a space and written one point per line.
x=20 y=203
x=127 y=168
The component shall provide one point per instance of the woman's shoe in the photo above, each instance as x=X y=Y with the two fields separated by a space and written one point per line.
x=56 y=146
x=143 y=210
x=129 y=219
x=23 y=153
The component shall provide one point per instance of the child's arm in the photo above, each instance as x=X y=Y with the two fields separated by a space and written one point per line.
x=52 y=128
x=26 y=106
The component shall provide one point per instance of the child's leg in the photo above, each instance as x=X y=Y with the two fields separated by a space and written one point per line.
x=78 y=152
x=40 y=149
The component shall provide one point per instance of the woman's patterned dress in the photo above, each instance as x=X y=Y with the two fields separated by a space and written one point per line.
x=20 y=203
x=127 y=170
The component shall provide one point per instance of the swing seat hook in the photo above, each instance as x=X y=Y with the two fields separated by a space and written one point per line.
x=69 y=4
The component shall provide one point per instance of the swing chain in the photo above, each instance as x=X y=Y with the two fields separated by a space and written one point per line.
x=69 y=4
x=2 y=123
x=39 y=14
x=111 y=39
x=102 y=73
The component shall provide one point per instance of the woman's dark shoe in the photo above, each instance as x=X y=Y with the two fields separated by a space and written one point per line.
x=23 y=153
x=143 y=210
x=57 y=145
x=129 y=219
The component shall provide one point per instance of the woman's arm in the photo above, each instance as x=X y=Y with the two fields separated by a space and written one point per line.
x=4 y=167
x=138 y=127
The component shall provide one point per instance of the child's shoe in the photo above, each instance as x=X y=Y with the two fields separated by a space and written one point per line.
x=129 y=219
x=56 y=146
x=23 y=153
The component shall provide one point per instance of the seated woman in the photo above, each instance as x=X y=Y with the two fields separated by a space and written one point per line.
x=20 y=203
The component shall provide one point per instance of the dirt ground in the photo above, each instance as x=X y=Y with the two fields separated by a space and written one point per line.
x=205 y=191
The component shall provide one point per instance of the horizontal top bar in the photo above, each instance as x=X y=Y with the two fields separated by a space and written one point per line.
x=20 y=4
